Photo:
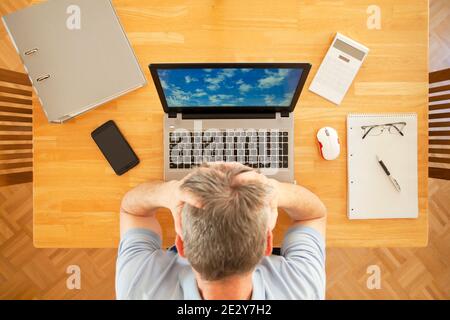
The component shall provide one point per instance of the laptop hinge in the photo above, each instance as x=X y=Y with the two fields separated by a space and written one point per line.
x=230 y=115
x=284 y=114
x=172 y=114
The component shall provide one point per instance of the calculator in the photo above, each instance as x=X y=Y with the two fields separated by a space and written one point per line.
x=338 y=69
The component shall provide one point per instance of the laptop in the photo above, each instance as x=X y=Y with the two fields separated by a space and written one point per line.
x=227 y=112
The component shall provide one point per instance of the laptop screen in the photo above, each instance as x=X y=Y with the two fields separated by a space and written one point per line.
x=229 y=86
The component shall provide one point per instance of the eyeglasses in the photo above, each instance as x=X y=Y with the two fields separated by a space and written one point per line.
x=378 y=129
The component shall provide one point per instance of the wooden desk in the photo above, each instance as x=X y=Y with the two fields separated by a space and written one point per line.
x=76 y=193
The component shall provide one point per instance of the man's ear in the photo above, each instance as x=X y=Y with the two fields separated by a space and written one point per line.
x=269 y=244
x=180 y=245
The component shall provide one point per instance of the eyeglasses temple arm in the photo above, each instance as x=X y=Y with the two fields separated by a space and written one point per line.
x=398 y=130
x=365 y=134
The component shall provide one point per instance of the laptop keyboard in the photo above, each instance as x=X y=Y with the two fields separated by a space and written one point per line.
x=254 y=148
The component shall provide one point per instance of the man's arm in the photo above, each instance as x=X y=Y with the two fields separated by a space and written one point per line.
x=140 y=204
x=303 y=206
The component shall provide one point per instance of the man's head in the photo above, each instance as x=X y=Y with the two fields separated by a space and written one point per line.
x=229 y=234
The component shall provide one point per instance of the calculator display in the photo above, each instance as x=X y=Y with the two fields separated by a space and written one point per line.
x=348 y=49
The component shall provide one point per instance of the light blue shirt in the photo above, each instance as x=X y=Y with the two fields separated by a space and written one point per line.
x=146 y=271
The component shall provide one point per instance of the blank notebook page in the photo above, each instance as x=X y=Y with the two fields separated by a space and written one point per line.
x=371 y=194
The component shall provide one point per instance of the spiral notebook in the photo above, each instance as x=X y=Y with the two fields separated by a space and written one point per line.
x=371 y=193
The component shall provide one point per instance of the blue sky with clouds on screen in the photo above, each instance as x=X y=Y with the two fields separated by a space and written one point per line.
x=229 y=87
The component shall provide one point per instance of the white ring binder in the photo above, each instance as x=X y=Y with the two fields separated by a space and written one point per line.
x=71 y=70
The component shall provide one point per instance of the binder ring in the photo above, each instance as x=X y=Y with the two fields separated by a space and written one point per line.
x=43 y=78
x=27 y=53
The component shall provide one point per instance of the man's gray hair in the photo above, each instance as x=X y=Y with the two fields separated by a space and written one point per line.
x=228 y=235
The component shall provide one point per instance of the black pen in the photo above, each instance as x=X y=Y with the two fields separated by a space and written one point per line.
x=385 y=169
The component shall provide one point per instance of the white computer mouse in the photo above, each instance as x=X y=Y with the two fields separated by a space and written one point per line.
x=328 y=143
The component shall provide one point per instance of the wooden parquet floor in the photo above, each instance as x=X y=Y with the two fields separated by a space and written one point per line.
x=416 y=273
x=30 y=273
x=439 y=34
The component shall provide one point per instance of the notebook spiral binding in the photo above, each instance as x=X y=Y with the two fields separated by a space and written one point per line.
x=385 y=115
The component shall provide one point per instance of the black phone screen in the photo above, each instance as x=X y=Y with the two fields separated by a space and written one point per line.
x=114 y=147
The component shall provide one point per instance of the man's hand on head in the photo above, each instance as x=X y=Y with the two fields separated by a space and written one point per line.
x=176 y=199
x=272 y=200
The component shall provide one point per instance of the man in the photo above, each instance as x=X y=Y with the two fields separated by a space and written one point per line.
x=224 y=215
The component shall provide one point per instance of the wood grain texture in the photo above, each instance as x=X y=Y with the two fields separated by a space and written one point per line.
x=439 y=98
x=14 y=77
x=422 y=273
x=76 y=193
x=30 y=273
x=442 y=106
x=439 y=173
x=439 y=39
x=14 y=121
x=406 y=273
x=439 y=75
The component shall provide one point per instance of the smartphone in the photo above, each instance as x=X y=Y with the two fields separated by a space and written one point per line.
x=114 y=147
